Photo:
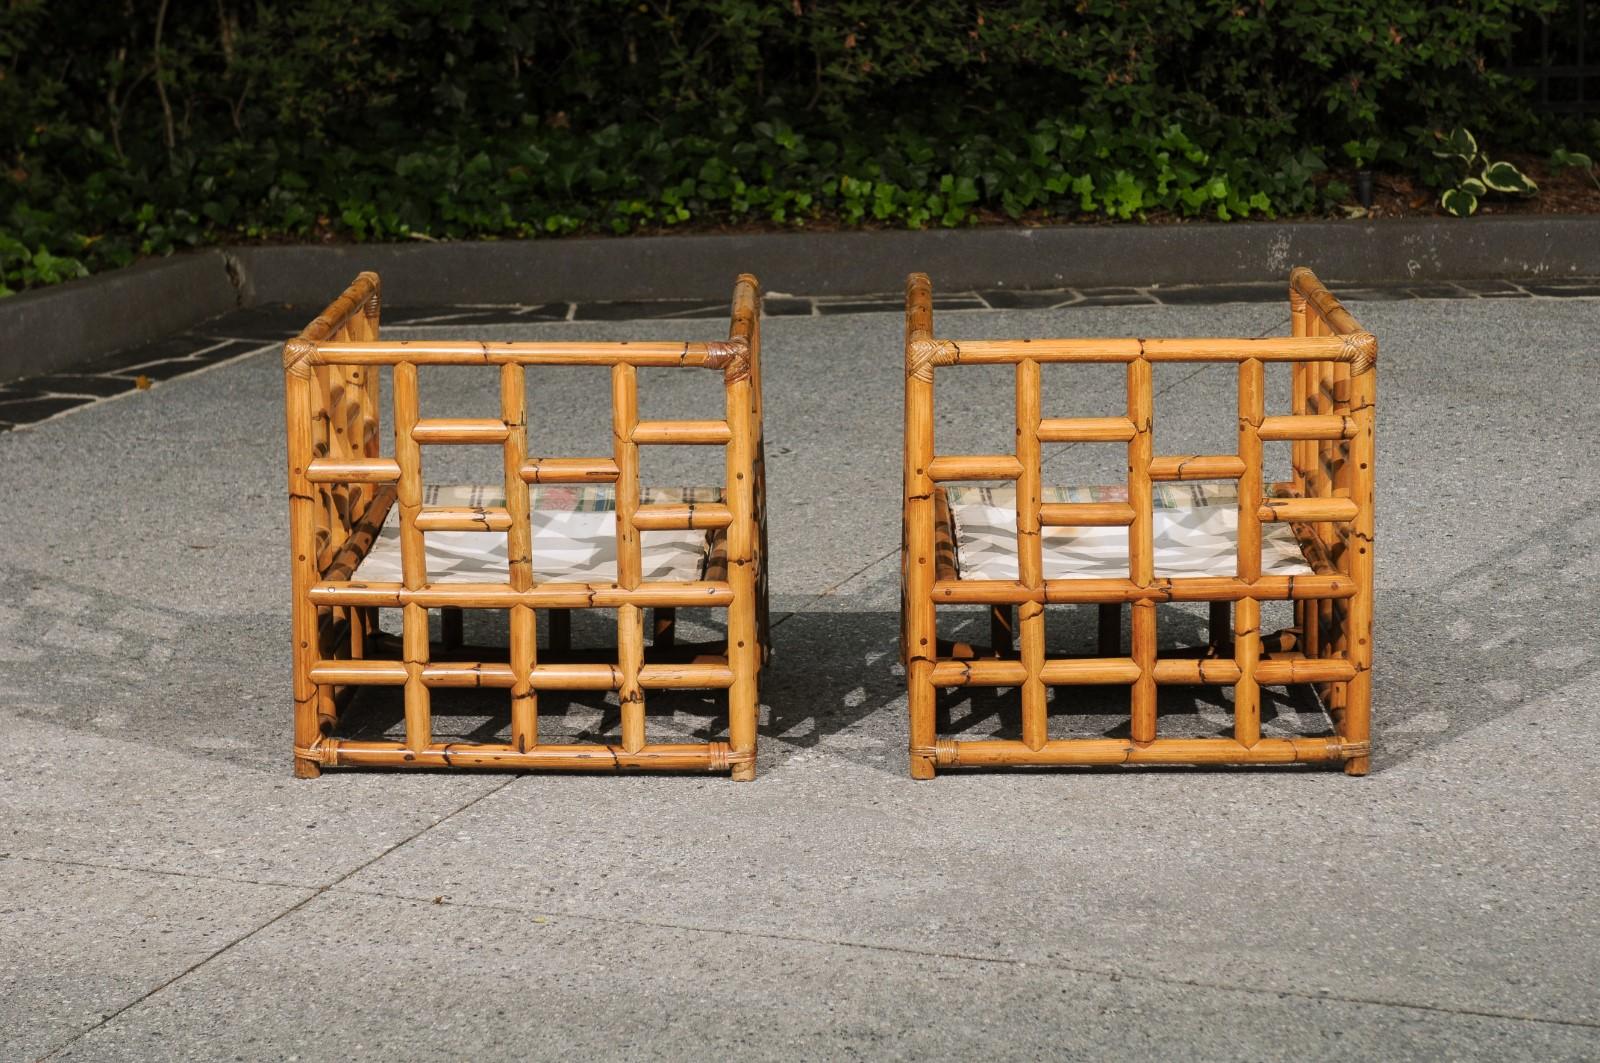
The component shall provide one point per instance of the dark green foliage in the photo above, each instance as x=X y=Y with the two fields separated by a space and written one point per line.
x=135 y=128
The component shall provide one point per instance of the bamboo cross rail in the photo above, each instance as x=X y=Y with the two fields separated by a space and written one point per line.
x=342 y=488
x=1328 y=504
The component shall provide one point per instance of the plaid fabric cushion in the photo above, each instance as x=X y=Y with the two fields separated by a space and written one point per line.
x=1196 y=533
x=574 y=537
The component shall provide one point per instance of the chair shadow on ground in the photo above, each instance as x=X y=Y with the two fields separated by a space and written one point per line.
x=833 y=674
x=1459 y=653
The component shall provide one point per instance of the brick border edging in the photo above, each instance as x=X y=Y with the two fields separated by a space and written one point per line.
x=54 y=328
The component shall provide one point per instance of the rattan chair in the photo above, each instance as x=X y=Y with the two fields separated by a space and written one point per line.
x=366 y=534
x=1235 y=544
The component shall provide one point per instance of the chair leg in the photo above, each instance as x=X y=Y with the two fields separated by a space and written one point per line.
x=560 y=630
x=452 y=627
x=1221 y=624
x=1111 y=630
x=921 y=697
x=1002 y=630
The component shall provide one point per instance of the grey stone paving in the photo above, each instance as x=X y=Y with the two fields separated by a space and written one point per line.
x=169 y=891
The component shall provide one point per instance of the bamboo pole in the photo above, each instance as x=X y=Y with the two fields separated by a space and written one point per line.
x=683 y=433
x=1090 y=671
x=680 y=515
x=1085 y=514
x=710 y=756
x=523 y=621
x=521 y=352
x=978 y=671
x=413 y=556
x=1141 y=551
x=630 y=618
x=1103 y=591
x=747 y=321
x=459 y=431
x=1030 y=555
x=1271 y=349
x=994 y=752
x=1196 y=467
x=1085 y=430
x=352 y=471
x=1358 y=617
x=1305 y=510
x=1303 y=455
x=1324 y=455
x=1247 y=614
x=688 y=594
x=1199 y=671
x=464 y=518
x=1300 y=426
x=917 y=562
x=468 y=674
x=569 y=471
x=1340 y=534
x=302 y=546
x=744 y=625
x=974 y=467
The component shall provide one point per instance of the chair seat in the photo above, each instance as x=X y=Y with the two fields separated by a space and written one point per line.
x=1196 y=533
x=574 y=538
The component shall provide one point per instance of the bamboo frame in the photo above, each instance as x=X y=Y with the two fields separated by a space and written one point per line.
x=341 y=489
x=1328 y=503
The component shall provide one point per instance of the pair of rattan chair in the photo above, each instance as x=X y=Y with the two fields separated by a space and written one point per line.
x=559 y=534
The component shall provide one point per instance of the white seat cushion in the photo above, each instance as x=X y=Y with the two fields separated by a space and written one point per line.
x=1196 y=532
x=574 y=538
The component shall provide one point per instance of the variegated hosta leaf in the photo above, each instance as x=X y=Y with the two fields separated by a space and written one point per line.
x=1461 y=142
x=1472 y=186
x=1461 y=204
x=1504 y=177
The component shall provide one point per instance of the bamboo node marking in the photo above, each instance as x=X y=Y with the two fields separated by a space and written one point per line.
x=923 y=355
x=297 y=356
x=1361 y=351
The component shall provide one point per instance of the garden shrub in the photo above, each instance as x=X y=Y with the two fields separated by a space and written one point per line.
x=171 y=125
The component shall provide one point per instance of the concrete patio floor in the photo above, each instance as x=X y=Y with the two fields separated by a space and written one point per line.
x=168 y=890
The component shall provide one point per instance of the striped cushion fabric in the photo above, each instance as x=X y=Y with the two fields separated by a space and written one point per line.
x=574 y=538
x=1196 y=528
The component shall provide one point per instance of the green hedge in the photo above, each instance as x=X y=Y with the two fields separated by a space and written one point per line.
x=179 y=124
